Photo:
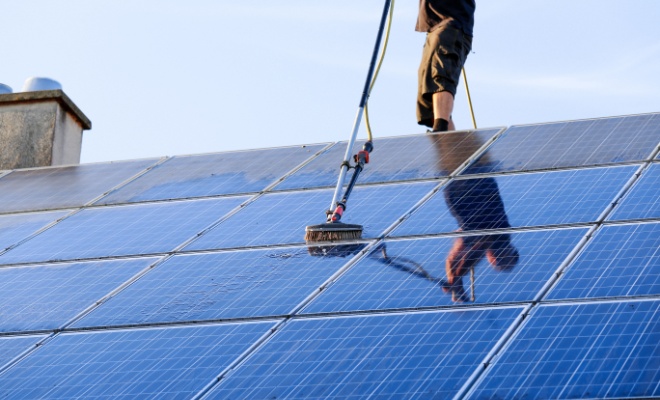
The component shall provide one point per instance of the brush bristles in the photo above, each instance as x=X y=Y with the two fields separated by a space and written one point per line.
x=332 y=236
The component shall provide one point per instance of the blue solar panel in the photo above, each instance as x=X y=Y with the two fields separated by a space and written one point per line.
x=16 y=227
x=47 y=296
x=519 y=200
x=643 y=201
x=595 y=351
x=146 y=363
x=411 y=273
x=237 y=284
x=572 y=144
x=280 y=218
x=13 y=346
x=395 y=159
x=123 y=230
x=385 y=356
x=621 y=260
x=204 y=286
x=63 y=187
x=214 y=174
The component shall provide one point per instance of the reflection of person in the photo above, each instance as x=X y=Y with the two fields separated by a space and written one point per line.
x=477 y=205
x=448 y=25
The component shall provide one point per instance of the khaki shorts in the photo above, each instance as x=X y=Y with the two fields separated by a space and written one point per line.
x=444 y=55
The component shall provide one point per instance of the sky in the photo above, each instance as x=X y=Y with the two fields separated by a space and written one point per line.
x=164 y=78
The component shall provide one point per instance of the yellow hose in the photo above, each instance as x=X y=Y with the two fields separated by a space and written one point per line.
x=380 y=62
x=467 y=90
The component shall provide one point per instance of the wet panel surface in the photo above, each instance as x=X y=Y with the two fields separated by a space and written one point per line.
x=214 y=174
x=281 y=218
x=572 y=144
x=237 y=284
x=412 y=273
x=395 y=159
x=64 y=187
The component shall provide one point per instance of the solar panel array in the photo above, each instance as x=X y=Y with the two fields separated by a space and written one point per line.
x=520 y=262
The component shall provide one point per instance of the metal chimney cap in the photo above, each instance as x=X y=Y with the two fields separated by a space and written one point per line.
x=36 y=84
x=4 y=89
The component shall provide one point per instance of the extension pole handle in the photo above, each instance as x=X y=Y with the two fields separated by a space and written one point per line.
x=363 y=102
x=360 y=159
x=374 y=55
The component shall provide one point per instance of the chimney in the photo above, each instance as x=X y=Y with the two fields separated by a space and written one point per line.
x=39 y=128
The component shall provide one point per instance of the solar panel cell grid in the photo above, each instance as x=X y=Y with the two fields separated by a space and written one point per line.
x=386 y=356
x=214 y=174
x=573 y=144
x=47 y=296
x=150 y=363
x=395 y=159
x=16 y=227
x=122 y=230
x=281 y=218
x=643 y=201
x=619 y=261
x=64 y=187
x=602 y=350
x=12 y=346
x=519 y=200
x=237 y=284
x=412 y=273
x=320 y=324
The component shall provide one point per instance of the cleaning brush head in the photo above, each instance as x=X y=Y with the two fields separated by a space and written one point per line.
x=332 y=232
x=334 y=250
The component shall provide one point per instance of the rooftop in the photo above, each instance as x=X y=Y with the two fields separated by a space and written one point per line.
x=188 y=276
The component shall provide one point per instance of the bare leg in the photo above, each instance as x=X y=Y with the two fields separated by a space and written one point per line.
x=443 y=105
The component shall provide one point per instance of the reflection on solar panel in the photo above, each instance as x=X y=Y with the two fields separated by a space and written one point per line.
x=577 y=143
x=411 y=273
x=72 y=186
x=596 y=351
x=213 y=174
x=47 y=296
x=396 y=159
x=189 y=276
x=643 y=201
x=574 y=196
x=392 y=356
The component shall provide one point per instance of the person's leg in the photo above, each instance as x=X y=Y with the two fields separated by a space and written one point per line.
x=444 y=55
x=443 y=105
